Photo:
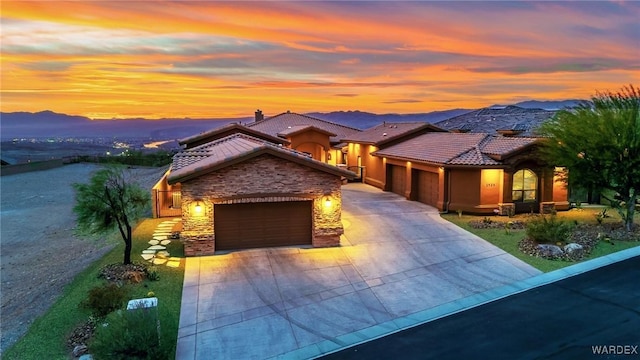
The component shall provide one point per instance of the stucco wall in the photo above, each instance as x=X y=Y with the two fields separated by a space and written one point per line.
x=261 y=179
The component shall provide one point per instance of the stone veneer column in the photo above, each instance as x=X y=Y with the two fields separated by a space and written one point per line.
x=197 y=228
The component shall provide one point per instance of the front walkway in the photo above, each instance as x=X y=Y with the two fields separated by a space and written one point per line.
x=397 y=258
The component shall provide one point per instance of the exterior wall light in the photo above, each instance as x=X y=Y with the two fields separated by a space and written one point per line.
x=327 y=201
x=198 y=207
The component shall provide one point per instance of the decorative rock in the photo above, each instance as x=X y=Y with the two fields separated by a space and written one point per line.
x=157 y=261
x=154 y=242
x=86 y=357
x=165 y=242
x=147 y=256
x=79 y=350
x=160 y=247
x=574 y=249
x=162 y=237
x=548 y=250
x=173 y=264
x=149 y=251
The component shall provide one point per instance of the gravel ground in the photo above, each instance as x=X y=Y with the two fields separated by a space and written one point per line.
x=39 y=253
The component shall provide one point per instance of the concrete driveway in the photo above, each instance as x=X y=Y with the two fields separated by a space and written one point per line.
x=398 y=258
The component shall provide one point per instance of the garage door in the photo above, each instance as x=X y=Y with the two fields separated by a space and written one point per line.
x=428 y=188
x=398 y=179
x=252 y=225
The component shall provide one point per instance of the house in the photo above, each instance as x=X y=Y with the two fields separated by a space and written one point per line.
x=318 y=138
x=473 y=172
x=241 y=191
x=361 y=145
x=277 y=181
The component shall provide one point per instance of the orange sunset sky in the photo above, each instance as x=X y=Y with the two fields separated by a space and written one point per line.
x=105 y=59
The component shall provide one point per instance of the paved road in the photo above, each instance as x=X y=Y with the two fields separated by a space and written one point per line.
x=562 y=320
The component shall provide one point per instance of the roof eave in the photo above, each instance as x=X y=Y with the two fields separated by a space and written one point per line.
x=442 y=164
x=176 y=177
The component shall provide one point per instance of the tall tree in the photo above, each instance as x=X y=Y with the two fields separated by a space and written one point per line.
x=599 y=143
x=109 y=201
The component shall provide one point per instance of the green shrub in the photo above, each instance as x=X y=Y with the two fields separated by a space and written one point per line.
x=129 y=334
x=152 y=274
x=105 y=299
x=548 y=229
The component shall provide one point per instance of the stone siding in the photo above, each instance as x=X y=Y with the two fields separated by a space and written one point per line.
x=265 y=178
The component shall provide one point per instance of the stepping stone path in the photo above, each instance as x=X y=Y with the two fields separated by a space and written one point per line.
x=157 y=253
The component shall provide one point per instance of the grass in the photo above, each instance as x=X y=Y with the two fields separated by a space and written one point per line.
x=46 y=338
x=509 y=241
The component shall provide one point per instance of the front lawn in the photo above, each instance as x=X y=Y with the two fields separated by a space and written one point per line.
x=508 y=240
x=47 y=336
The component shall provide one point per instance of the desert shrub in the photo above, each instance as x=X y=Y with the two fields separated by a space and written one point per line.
x=105 y=299
x=129 y=334
x=548 y=229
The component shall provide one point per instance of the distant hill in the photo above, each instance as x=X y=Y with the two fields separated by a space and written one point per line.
x=547 y=105
x=521 y=121
x=364 y=120
x=48 y=124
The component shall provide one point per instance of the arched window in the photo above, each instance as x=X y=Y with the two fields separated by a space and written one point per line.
x=525 y=186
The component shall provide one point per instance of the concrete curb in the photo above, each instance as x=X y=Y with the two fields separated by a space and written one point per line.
x=390 y=327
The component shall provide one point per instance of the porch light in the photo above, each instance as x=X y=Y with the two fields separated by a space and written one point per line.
x=198 y=207
x=327 y=202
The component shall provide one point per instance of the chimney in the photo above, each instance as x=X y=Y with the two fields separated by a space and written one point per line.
x=259 y=116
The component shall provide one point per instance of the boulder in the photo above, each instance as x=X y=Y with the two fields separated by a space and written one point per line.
x=548 y=250
x=79 y=350
x=574 y=250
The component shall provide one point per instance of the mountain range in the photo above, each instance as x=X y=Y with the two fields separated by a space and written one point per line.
x=48 y=124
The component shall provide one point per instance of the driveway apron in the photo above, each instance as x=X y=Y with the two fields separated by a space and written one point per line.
x=396 y=258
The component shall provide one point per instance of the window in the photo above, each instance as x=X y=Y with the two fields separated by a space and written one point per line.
x=525 y=185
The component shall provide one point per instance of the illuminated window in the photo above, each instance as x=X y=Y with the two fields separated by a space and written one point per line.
x=525 y=186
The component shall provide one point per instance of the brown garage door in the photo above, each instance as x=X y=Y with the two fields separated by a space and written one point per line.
x=428 y=188
x=398 y=179
x=252 y=225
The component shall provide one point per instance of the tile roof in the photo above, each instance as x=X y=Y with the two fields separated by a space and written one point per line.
x=292 y=130
x=229 y=150
x=216 y=133
x=470 y=149
x=387 y=132
x=489 y=120
x=279 y=123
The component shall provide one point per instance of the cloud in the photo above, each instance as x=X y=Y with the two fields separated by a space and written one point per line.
x=575 y=65
x=403 y=101
x=222 y=57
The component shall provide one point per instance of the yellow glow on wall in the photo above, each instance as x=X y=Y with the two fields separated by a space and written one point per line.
x=491 y=177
